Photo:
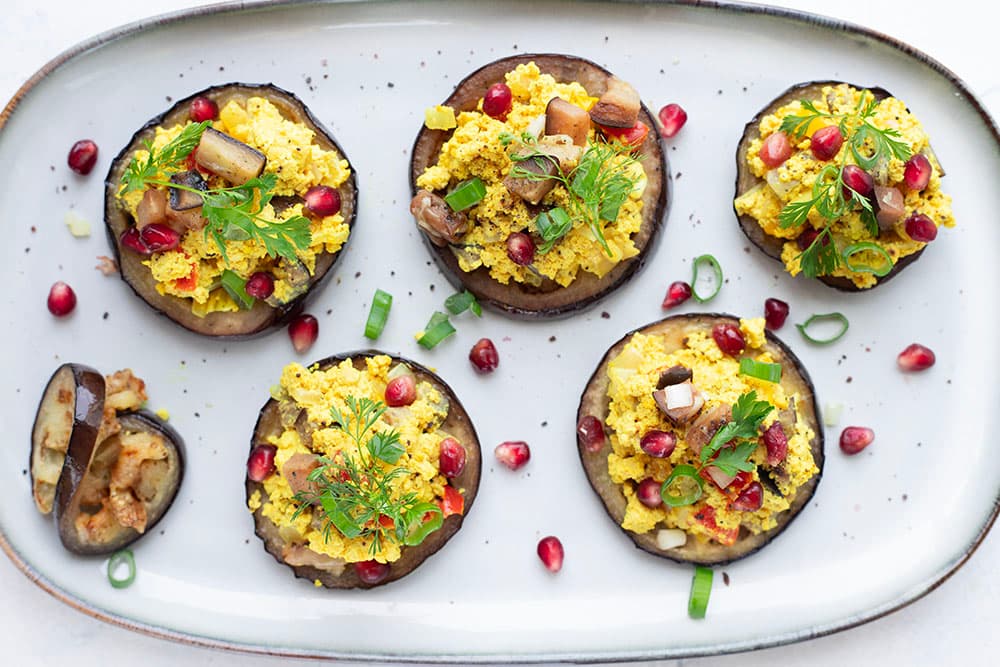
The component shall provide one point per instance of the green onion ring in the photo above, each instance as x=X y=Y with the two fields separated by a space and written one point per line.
x=864 y=268
x=823 y=317
x=701 y=590
x=714 y=263
x=379 y=313
x=760 y=370
x=683 y=487
x=437 y=330
x=425 y=529
x=466 y=194
x=118 y=558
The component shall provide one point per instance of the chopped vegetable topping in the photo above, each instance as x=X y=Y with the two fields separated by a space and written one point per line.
x=379 y=313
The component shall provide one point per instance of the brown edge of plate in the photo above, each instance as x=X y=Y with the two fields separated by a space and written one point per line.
x=458 y=423
x=550 y=300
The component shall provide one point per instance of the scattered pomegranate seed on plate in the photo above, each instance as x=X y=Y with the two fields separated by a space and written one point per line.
x=678 y=292
x=513 y=454
x=672 y=119
x=775 y=313
x=82 y=156
x=855 y=438
x=916 y=357
x=484 y=356
x=62 y=299
x=550 y=551
x=260 y=465
x=303 y=331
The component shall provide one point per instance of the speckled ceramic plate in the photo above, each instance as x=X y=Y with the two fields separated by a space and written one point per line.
x=884 y=528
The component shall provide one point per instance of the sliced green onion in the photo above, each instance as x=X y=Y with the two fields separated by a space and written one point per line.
x=824 y=317
x=461 y=302
x=760 y=370
x=437 y=329
x=701 y=590
x=716 y=269
x=466 y=194
x=236 y=287
x=379 y=313
x=855 y=248
x=119 y=558
x=683 y=487
x=552 y=225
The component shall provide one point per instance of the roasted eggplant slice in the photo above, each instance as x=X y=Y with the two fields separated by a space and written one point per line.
x=287 y=545
x=691 y=335
x=237 y=162
x=547 y=299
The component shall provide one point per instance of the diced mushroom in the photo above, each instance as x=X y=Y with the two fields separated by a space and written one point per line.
x=701 y=431
x=889 y=205
x=182 y=221
x=562 y=117
x=562 y=148
x=532 y=188
x=231 y=159
x=680 y=402
x=618 y=106
x=183 y=199
x=296 y=472
x=441 y=224
x=674 y=375
x=152 y=209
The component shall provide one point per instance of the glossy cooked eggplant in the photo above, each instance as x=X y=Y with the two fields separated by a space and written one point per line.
x=278 y=416
x=237 y=162
x=799 y=420
x=548 y=299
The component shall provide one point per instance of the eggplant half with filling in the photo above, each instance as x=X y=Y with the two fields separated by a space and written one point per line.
x=540 y=184
x=361 y=467
x=699 y=455
x=839 y=182
x=107 y=470
x=227 y=211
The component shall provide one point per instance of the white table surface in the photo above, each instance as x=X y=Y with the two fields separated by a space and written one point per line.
x=955 y=624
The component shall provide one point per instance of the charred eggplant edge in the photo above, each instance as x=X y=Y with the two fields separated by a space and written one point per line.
x=594 y=401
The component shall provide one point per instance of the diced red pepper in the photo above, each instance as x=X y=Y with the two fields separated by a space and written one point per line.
x=190 y=162
x=190 y=283
x=725 y=536
x=386 y=521
x=452 y=503
x=630 y=136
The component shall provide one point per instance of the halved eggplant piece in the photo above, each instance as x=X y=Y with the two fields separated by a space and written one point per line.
x=595 y=402
x=276 y=417
x=263 y=315
x=548 y=299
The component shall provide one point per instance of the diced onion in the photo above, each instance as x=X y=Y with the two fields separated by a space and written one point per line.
x=670 y=538
x=536 y=127
x=781 y=188
x=719 y=477
x=679 y=396
x=831 y=413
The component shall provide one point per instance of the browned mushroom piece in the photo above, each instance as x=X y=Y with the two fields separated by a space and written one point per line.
x=619 y=105
x=561 y=117
x=541 y=182
x=439 y=222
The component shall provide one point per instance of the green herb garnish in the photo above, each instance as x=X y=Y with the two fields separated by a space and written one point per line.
x=552 y=225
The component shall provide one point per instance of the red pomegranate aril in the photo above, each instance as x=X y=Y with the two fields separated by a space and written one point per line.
x=322 y=200
x=750 y=499
x=590 y=433
x=303 y=331
x=550 y=551
x=678 y=292
x=158 y=237
x=729 y=338
x=484 y=356
x=203 y=109
x=658 y=444
x=520 y=248
x=921 y=228
x=513 y=453
x=260 y=465
x=672 y=119
x=917 y=172
x=62 y=299
x=451 y=458
x=132 y=239
x=401 y=391
x=498 y=101
x=855 y=438
x=775 y=150
x=857 y=179
x=916 y=357
x=648 y=492
x=776 y=443
x=82 y=156
x=775 y=313
x=826 y=142
x=260 y=285
x=806 y=238
x=371 y=572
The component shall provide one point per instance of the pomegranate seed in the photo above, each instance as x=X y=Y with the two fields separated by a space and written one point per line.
x=915 y=357
x=520 y=248
x=658 y=444
x=483 y=356
x=498 y=101
x=826 y=142
x=775 y=150
x=855 y=438
x=807 y=237
x=513 y=454
x=132 y=239
x=203 y=109
x=917 y=172
x=590 y=433
x=323 y=200
x=678 y=292
x=260 y=285
x=750 y=499
x=371 y=571
x=82 y=156
x=776 y=443
x=672 y=119
x=857 y=179
x=451 y=458
x=775 y=313
x=303 y=331
x=260 y=465
x=62 y=299
x=401 y=391
x=550 y=550
x=729 y=338
x=158 y=237
x=921 y=228
x=648 y=492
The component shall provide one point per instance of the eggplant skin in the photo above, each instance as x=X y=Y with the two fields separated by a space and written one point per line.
x=745 y=181
x=550 y=300
x=594 y=401
x=458 y=424
x=262 y=317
